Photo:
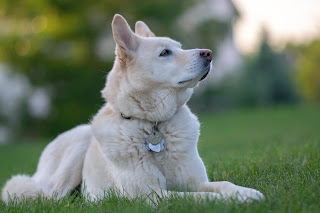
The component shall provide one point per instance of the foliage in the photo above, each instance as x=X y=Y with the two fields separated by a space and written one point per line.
x=274 y=150
x=308 y=70
x=55 y=44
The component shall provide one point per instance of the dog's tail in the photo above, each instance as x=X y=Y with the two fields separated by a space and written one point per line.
x=19 y=187
x=59 y=169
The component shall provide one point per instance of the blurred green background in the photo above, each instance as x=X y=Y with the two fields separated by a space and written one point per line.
x=55 y=55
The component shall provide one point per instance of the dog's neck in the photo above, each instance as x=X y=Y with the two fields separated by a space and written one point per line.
x=154 y=106
x=157 y=105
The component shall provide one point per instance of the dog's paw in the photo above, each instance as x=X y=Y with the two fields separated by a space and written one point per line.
x=240 y=193
x=244 y=194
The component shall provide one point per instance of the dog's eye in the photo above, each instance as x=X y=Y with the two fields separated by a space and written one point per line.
x=165 y=53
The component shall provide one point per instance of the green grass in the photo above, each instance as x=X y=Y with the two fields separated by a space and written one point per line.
x=276 y=151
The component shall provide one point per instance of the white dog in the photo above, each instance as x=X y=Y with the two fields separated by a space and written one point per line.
x=144 y=139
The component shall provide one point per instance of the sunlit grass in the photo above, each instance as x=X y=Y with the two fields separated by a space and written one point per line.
x=276 y=151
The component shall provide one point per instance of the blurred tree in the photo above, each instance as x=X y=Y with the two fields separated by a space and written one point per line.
x=55 y=42
x=308 y=70
x=267 y=79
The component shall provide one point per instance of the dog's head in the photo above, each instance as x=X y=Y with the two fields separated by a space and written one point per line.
x=152 y=75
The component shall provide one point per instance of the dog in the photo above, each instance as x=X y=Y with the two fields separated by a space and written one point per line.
x=144 y=139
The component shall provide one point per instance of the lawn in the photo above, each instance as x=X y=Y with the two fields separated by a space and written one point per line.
x=275 y=150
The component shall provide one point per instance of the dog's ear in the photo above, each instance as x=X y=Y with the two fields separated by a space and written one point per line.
x=123 y=35
x=142 y=29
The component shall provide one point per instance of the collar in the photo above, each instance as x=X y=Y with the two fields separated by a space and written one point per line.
x=155 y=141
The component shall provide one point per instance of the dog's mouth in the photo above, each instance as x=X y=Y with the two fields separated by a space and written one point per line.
x=182 y=82
x=203 y=77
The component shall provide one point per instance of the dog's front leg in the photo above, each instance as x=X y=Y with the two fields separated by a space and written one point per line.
x=197 y=196
x=227 y=189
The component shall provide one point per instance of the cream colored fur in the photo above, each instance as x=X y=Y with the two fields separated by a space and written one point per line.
x=110 y=153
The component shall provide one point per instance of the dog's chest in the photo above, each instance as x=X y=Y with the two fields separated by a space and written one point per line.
x=124 y=142
x=179 y=149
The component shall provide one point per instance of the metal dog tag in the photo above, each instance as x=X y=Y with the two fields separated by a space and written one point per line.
x=155 y=140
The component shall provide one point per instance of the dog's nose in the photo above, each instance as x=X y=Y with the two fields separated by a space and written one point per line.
x=207 y=54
